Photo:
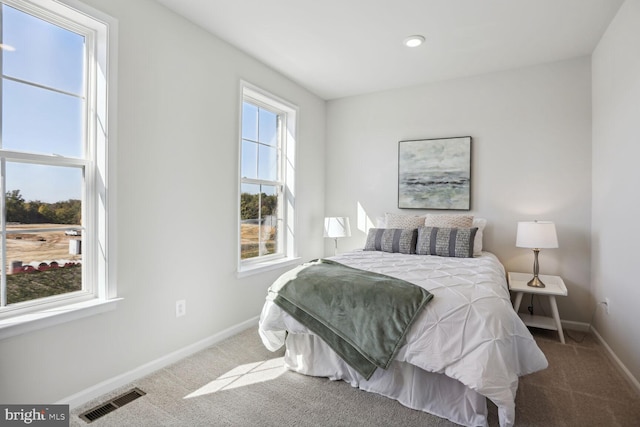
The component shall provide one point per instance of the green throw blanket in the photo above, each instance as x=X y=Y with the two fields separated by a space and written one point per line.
x=362 y=316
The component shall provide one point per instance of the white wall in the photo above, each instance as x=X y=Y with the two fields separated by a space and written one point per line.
x=531 y=159
x=177 y=175
x=616 y=197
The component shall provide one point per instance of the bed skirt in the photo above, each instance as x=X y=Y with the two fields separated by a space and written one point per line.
x=413 y=387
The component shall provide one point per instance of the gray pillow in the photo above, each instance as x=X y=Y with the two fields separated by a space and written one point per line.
x=402 y=240
x=442 y=241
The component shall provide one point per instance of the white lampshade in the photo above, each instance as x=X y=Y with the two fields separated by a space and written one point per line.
x=536 y=234
x=337 y=227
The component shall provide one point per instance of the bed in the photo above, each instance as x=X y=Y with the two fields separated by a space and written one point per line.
x=465 y=346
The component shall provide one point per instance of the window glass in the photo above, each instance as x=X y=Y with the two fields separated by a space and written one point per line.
x=259 y=143
x=41 y=121
x=259 y=220
x=250 y=221
x=259 y=199
x=249 y=159
x=249 y=121
x=42 y=52
x=42 y=264
x=268 y=219
x=43 y=236
x=268 y=127
x=40 y=194
x=268 y=163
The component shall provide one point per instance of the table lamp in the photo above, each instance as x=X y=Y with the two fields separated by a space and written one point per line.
x=336 y=227
x=536 y=235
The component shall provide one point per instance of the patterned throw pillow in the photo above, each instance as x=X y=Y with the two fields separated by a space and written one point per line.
x=448 y=220
x=392 y=240
x=403 y=221
x=441 y=241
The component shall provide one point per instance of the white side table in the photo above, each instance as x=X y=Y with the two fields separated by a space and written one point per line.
x=554 y=287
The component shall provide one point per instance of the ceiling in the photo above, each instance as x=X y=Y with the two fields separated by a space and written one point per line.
x=339 y=48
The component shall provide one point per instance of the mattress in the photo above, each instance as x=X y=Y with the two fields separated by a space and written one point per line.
x=469 y=332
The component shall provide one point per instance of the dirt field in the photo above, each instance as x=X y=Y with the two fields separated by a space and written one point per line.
x=39 y=246
x=249 y=239
x=34 y=248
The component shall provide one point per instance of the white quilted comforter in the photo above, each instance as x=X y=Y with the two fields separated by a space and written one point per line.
x=468 y=331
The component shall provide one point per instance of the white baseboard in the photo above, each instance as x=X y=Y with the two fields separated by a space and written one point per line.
x=111 y=384
x=633 y=381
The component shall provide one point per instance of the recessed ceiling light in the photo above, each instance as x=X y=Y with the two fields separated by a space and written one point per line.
x=7 y=47
x=414 y=41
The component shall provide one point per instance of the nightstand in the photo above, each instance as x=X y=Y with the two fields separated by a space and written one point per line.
x=554 y=287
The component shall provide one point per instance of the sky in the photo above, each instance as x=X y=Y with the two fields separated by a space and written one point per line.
x=36 y=119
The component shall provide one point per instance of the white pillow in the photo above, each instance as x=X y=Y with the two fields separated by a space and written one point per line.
x=477 y=243
x=403 y=221
x=448 y=220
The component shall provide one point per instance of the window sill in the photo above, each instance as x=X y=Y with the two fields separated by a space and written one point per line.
x=18 y=325
x=249 y=270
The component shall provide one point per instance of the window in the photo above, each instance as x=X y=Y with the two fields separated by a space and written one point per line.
x=267 y=147
x=54 y=155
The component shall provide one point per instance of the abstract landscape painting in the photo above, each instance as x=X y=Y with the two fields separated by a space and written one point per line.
x=435 y=173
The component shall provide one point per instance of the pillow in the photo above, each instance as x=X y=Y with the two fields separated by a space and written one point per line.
x=448 y=220
x=400 y=240
x=443 y=241
x=480 y=223
x=403 y=221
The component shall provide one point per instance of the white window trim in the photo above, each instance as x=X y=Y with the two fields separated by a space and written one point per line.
x=288 y=162
x=53 y=311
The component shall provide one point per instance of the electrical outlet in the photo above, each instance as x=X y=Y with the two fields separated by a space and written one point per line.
x=181 y=308
x=607 y=305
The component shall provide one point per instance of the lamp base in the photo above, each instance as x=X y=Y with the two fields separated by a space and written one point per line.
x=536 y=282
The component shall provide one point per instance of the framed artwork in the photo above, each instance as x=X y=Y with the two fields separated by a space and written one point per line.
x=435 y=173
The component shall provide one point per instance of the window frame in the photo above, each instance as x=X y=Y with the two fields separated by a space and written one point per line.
x=287 y=116
x=99 y=291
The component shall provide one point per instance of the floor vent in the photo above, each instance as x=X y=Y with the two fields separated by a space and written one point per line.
x=110 y=406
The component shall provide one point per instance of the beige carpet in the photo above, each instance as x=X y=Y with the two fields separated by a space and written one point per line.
x=581 y=387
